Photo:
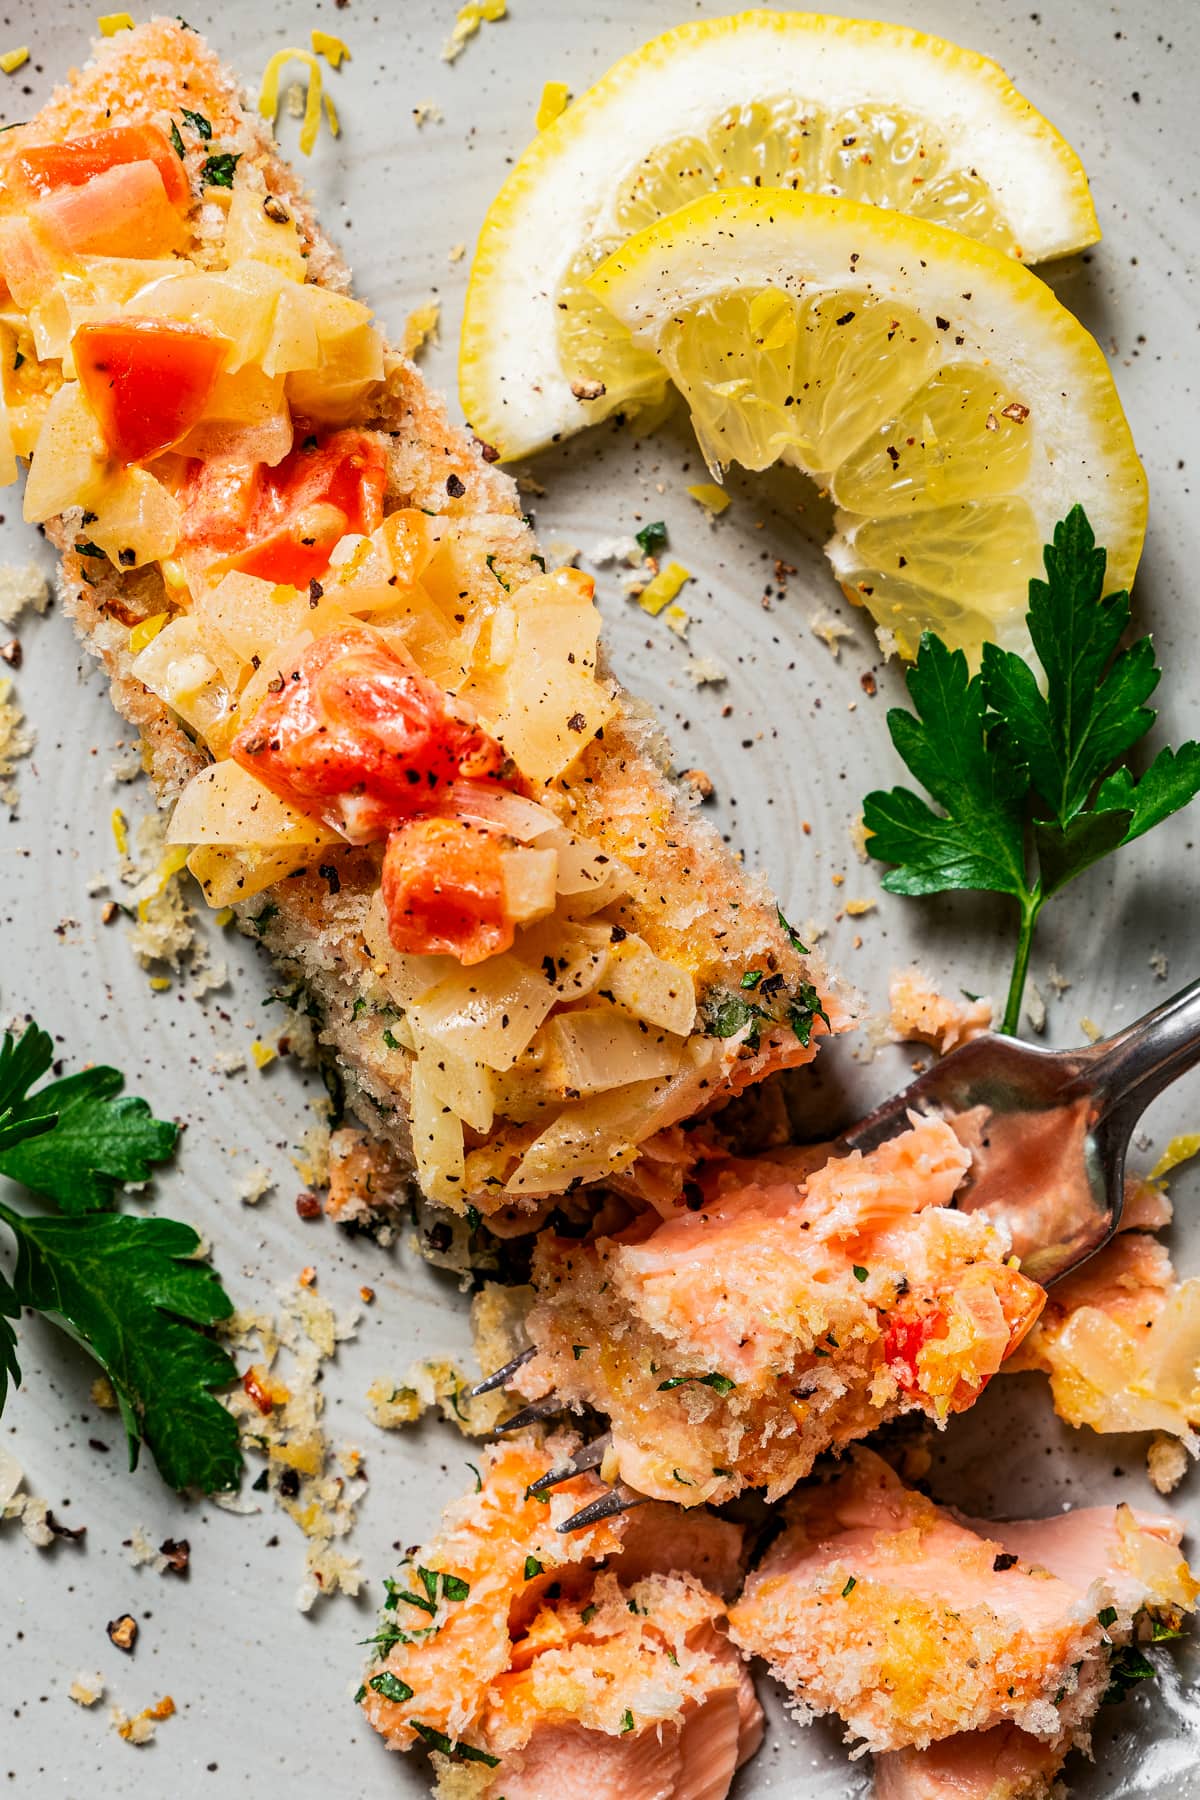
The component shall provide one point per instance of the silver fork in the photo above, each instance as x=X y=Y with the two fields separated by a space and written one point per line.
x=1048 y=1131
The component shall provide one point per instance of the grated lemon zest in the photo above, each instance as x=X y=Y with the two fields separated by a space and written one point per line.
x=268 y=95
x=12 y=60
x=552 y=104
x=174 y=860
x=470 y=17
x=421 y=327
x=662 y=589
x=262 y=1054
x=146 y=632
x=120 y=831
x=334 y=49
x=160 y=983
x=111 y=23
x=712 y=498
x=223 y=916
x=1179 y=1150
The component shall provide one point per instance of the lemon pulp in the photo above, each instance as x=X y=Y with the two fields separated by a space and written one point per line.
x=881 y=154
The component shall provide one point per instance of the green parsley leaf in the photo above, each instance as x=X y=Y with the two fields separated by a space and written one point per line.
x=10 y=1368
x=429 y=1581
x=22 y=1062
x=131 y=1292
x=177 y=141
x=721 y=1384
x=491 y=563
x=1162 y=1631
x=532 y=1567
x=218 y=170
x=751 y=978
x=588 y=1613
x=1106 y=1617
x=454 y=1587
x=577 y=1350
x=860 y=1274
x=652 y=538
x=391 y=1687
x=1022 y=768
x=390 y=1038
x=1127 y=1667
x=791 y=934
x=727 y=1014
x=478 y=1477
x=626 y=1721
x=101 y=1137
x=804 y=1011
x=459 y=1752
x=198 y=123
x=850 y=1586
x=262 y=919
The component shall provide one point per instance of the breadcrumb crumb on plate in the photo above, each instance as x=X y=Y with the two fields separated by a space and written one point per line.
x=922 y=1015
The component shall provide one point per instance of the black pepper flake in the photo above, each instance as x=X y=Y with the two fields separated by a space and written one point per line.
x=315 y=591
x=845 y=318
x=178 y=1553
x=1005 y=1560
x=577 y=722
x=127 y=558
x=942 y=324
x=455 y=487
x=328 y=872
x=289 y=1483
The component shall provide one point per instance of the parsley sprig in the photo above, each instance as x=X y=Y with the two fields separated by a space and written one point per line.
x=1030 y=775
x=129 y=1289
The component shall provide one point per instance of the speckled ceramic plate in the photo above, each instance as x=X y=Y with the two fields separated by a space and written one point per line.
x=792 y=741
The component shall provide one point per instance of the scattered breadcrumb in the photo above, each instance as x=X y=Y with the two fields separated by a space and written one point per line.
x=165 y=931
x=140 y=1729
x=228 y=1062
x=318 y=1484
x=1091 y=1031
x=624 y=549
x=127 y=764
x=102 y=1394
x=86 y=1689
x=561 y=551
x=456 y=253
x=678 y=619
x=1166 y=1462
x=855 y=909
x=421 y=327
x=831 y=630
x=705 y=671
x=20 y=589
x=497 y=1328
x=1035 y=1007
x=470 y=17
x=15 y=742
x=918 y=1013
x=1158 y=962
x=254 y=1185
x=427 y=112
x=859 y=838
x=311 y=1162
x=30 y=1509
x=1056 y=982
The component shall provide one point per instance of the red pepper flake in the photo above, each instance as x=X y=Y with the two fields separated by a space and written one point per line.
x=12 y=653
x=1014 y=410
x=868 y=683
x=253 y=1382
x=308 y=1206
x=308 y=1277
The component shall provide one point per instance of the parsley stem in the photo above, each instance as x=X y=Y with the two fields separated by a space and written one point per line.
x=1031 y=906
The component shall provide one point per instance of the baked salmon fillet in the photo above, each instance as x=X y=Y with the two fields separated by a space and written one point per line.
x=913 y=1624
x=588 y=1666
x=786 y=1310
x=382 y=726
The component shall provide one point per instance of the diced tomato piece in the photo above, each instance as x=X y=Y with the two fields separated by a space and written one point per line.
x=443 y=888
x=357 y=734
x=47 y=167
x=283 y=523
x=147 y=381
x=903 y=1342
x=255 y=1383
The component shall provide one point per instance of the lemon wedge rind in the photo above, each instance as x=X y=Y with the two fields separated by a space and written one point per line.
x=1049 y=431
x=559 y=198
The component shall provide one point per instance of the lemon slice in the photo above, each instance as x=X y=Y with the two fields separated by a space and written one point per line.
x=870 y=112
x=952 y=407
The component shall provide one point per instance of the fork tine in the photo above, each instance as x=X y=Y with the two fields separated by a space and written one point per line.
x=533 y=1415
x=498 y=1377
x=589 y=1457
x=617 y=1500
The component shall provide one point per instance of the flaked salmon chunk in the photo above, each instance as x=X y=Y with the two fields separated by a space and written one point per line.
x=913 y=1624
x=587 y=1666
x=1120 y=1341
x=793 y=1310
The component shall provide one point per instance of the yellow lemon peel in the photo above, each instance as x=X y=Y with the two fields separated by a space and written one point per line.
x=662 y=589
x=552 y=104
x=146 y=632
x=421 y=327
x=111 y=23
x=268 y=95
x=12 y=60
x=334 y=49
x=712 y=498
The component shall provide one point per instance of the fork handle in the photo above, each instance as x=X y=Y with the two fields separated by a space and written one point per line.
x=1130 y=1069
